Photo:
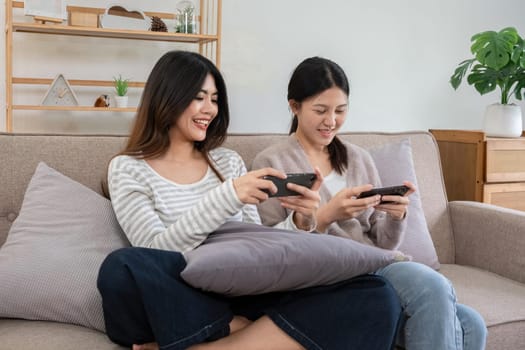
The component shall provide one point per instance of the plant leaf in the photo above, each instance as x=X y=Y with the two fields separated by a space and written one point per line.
x=494 y=49
x=518 y=54
x=520 y=78
x=459 y=73
x=484 y=79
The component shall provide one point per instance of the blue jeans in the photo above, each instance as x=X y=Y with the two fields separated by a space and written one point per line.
x=433 y=319
x=144 y=300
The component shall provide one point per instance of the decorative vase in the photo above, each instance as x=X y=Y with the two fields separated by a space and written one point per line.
x=186 y=17
x=503 y=120
x=121 y=101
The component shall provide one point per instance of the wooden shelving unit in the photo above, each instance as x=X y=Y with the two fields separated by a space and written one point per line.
x=208 y=41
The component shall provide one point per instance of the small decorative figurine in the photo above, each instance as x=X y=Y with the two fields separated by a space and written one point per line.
x=102 y=101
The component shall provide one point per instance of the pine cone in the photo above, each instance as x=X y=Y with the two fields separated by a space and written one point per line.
x=157 y=25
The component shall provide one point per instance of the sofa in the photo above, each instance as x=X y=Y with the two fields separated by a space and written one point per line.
x=481 y=248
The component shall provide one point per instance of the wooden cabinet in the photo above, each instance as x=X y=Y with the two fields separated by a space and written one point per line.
x=481 y=168
x=208 y=42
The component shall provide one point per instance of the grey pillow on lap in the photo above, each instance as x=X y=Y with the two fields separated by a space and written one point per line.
x=50 y=260
x=245 y=259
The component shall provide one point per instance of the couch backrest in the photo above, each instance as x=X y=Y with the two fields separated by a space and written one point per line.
x=84 y=158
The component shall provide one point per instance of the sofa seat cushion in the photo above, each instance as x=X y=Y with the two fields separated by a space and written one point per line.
x=498 y=299
x=44 y=335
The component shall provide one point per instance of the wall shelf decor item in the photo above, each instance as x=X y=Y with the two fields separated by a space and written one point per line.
x=86 y=24
x=46 y=9
x=60 y=93
x=117 y=17
x=185 y=17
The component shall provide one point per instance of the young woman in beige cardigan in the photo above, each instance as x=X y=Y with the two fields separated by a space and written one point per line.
x=318 y=98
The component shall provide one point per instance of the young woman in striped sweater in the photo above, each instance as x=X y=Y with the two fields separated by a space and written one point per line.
x=171 y=187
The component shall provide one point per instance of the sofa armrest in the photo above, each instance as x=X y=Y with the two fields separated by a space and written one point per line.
x=489 y=237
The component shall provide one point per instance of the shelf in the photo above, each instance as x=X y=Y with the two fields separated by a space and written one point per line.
x=73 y=108
x=112 y=33
x=77 y=82
x=208 y=43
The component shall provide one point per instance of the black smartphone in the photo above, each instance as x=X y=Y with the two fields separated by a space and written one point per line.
x=303 y=179
x=385 y=191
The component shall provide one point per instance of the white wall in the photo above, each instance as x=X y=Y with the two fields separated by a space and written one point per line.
x=399 y=56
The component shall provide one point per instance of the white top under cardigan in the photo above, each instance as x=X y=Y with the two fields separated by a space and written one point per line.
x=372 y=227
x=155 y=212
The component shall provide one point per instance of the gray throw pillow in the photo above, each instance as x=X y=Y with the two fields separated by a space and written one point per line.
x=394 y=163
x=244 y=259
x=49 y=263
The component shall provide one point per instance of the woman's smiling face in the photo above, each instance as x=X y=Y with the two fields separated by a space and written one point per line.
x=320 y=117
x=191 y=126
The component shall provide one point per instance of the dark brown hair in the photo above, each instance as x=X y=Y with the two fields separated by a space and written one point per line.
x=310 y=78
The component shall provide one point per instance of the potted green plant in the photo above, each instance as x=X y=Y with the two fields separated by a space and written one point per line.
x=121 y=89
x=499 y=61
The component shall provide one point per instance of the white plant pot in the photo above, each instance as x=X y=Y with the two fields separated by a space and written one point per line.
x=121 y=101
x=503 y=120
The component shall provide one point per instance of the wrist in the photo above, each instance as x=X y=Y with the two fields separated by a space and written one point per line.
x=303 y=223
x=399 y=218
x=322 y=221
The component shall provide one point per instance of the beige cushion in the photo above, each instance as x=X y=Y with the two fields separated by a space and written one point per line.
x=498 y=299
x=49 y=263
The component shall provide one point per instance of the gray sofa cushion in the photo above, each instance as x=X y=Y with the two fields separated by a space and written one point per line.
x=49 y=263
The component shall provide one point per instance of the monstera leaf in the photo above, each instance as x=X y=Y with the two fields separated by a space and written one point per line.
x=518 y=54
x=494 y=49
x=484 y=79
x=460 y=72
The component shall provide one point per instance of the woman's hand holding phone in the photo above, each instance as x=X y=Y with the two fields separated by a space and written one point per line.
x=257 y=186
x=306 y=204
x=395 y=205
x=345 y=205
x=350 y=203
x=252 y=188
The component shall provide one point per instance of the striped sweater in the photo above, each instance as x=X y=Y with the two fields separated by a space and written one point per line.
x=155 y=212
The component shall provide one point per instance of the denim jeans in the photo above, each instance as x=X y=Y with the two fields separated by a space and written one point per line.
x=432 y=317
x=144 y=300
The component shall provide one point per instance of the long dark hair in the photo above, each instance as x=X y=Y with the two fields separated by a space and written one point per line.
x=174 y=82
x=310 y=78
